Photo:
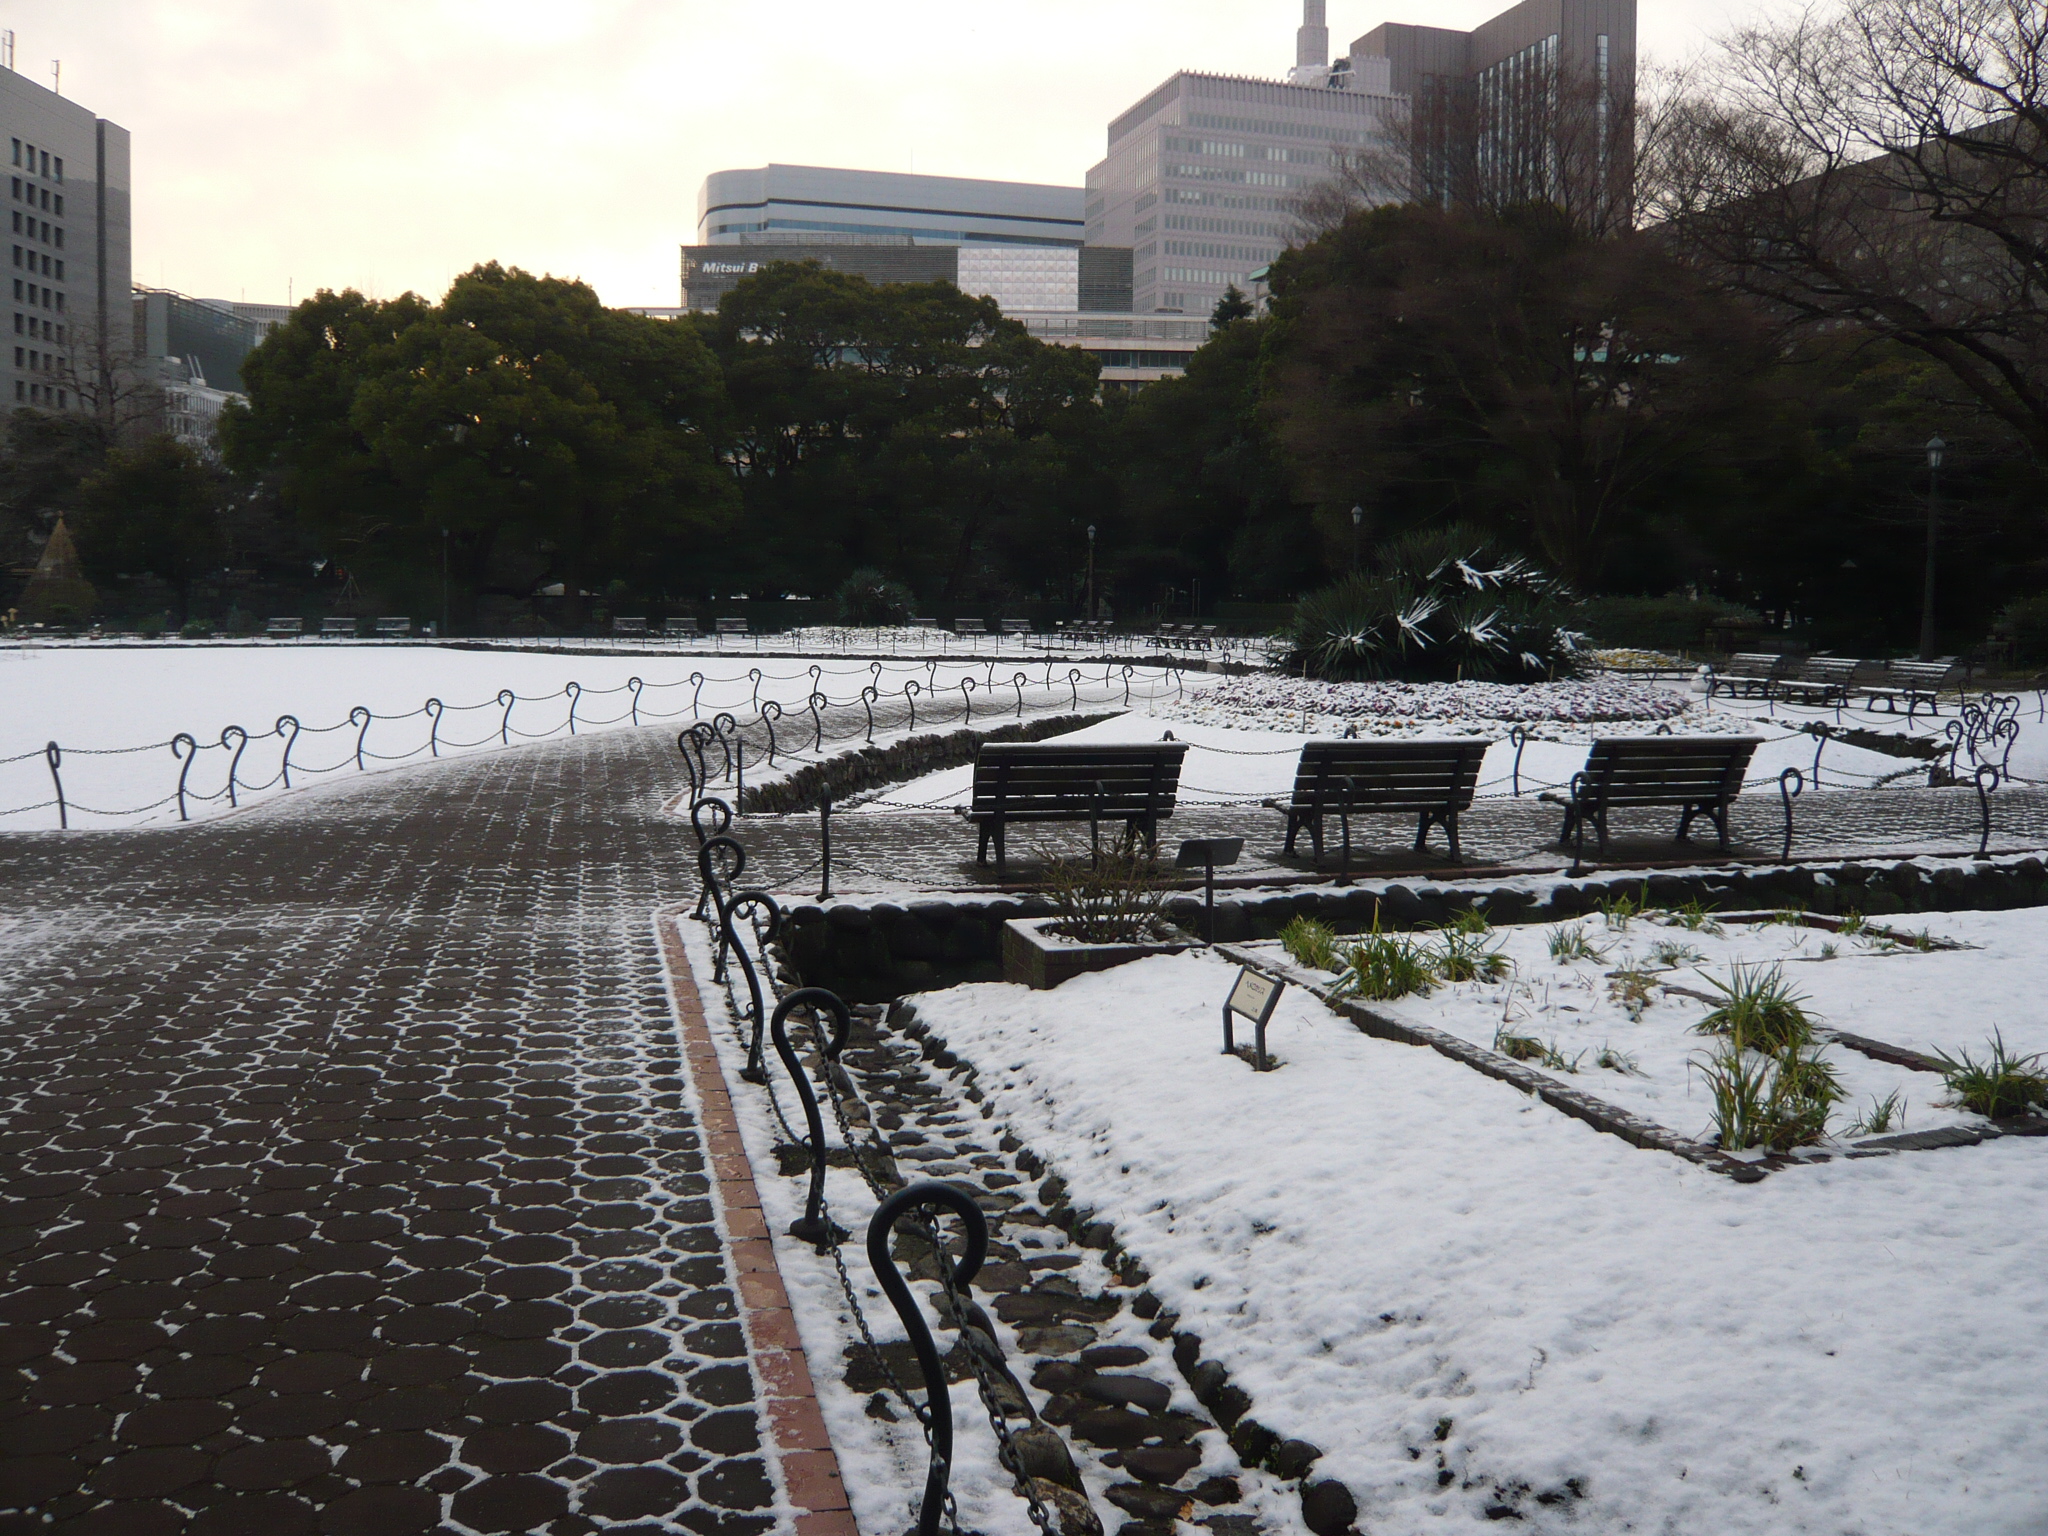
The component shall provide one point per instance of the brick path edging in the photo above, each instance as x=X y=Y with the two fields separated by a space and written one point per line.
x=810 y=1467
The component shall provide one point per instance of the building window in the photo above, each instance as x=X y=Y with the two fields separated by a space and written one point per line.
x=17 y=151
x=60 y=270
x=60 y=168
x=20 y=389
x=59 y=233
x=59 y=210
x=46 y=162
x=60 y=303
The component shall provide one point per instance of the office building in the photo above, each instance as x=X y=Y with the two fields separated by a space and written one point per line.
x=1201 y=177
x=207 y=338
x=68 y=250
x=821 y=205
x=1017 y=277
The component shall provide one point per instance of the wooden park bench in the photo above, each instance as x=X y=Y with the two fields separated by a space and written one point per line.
x=1018 y=782
x=1430 y=780
x=339 y=626
x=1918 y=683
x=621 y=625
x=970 y=627
x=673 y=625
x=285 y=627
x=1205 y=635
x=1822 y=680
x=729 y=626
x=1016 y=626
x=394 y=628
x=1748 y=675
x=917 y=623
x=1698 y=775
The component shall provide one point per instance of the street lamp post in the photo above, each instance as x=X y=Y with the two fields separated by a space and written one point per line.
x=444 y=583
x=1091 y=573
x=1935 y=446
x=1357 y=517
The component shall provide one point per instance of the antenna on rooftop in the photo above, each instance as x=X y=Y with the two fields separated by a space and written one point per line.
x=57 y=76
x=1312 y=38
x=7 y=49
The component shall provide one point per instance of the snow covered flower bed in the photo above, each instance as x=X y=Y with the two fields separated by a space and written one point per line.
x=1266 y=702
x=1480 y=1308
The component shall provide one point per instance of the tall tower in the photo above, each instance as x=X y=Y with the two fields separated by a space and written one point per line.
x=1312 y=37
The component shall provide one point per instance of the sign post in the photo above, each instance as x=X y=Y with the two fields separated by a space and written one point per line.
x=1254 y=996
x=1208 y=852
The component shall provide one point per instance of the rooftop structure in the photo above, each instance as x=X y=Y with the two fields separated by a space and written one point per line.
x=820 y=205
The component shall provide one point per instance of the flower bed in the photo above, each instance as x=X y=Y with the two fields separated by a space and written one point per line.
x=1291 y=703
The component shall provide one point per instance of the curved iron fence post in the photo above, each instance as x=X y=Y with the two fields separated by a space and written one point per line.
x=1519 y=737
x=721 y=821
x=769 y=721
x=868 y=695
x=1957 y=736
x=990 y=681
x=817 y=672
x=931 y=675
x=1791 y=784
x=1127 y=684
x=812 y=1226
x=716 y=886
x=1984 y=792
x=696 y=694
x=966 y=701
x=1074 y=684
x=507 y=698
x=816 y=704
x=753 y=1072
x=234 y=763
x=282 y=722
x=690 y=766
x=938 y=1408
x=1823 y=733
x=574 y=690
x=54 y=756
x=633 y=686
x=433 y=707
x=191 y=751
x=755 y=674
x=360 y=717
x=910 y=693
x=725 y=731
x=1017 y=682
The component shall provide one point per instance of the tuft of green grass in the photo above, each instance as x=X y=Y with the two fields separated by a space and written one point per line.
x=1471 y=920
x=1384 y=966
x=1854 y=924
x=1634 y=989
x=1571 y=943
x=1616 y=1061
x=1830 y=951
x=1466 y=954
x=1885 y=1114
x=1620 y=910
x=1692 y=916
x=1758 y=1010
x=1312 y=943
x=1529 y=1048
x=2000 y=1086
x=1675 y=952
x=1777 y=1099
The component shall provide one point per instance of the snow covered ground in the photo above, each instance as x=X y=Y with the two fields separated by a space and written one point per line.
x=1233 y=763
x=1472 y=1302
x=114 y=712
x=1944 y=1000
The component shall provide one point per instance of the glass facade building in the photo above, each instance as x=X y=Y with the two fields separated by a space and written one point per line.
x=821 y=204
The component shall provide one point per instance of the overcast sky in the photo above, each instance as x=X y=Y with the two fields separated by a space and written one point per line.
x=287 y=145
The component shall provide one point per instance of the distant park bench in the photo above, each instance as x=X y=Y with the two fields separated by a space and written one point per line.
x=924 y=623
x=729 y=626
x=675 y=626
x=1016 y=626
x=1748 y=675
x=285 y=627
x=969 y=627
x=394 y=628
x=338 y=627
x=1431 y=780
x=621 y=625
x=1698 y=775
x=1821 y=680
x=1917 y=683
x=1023 y=782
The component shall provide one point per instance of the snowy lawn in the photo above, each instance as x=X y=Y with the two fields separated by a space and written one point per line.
x=115 y=712
x=1610 y=1029
x=1473 y=1302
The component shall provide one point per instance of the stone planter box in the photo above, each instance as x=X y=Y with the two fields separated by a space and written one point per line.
x=1041 y=960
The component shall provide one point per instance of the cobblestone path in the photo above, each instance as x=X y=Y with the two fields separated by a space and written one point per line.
x=347 y=1182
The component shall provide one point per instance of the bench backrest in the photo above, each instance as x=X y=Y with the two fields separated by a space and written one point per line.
x=394 y=626
x=674 y=626
x=285 y=627
x=1835 y=670
x=730 y=626
x=625 y=626
x=1016 y=626
x=969 y=627
x=1667 y=770
x=337 y=626
x=1923 y=674
x=924 y=623
x=1388 y=775
x=1763 y=664
x=1023 y=778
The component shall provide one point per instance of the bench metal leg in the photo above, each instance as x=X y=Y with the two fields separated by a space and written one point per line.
x=1422 y=831
x=1451 y=831
x=1344 y=869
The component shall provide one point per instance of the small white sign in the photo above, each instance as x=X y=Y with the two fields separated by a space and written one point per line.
x=1254 y=994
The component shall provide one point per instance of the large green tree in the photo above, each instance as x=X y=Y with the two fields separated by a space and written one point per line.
x=154 y=509
x=519 y=430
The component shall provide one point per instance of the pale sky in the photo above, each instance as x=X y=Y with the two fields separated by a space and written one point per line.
x=282 y=146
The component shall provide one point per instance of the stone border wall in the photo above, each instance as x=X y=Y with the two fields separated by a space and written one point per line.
x=874 y=952
x=852 y=773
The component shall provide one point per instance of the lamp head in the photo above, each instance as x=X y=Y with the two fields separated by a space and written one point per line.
x=1935 y=446
x=1357 y=516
